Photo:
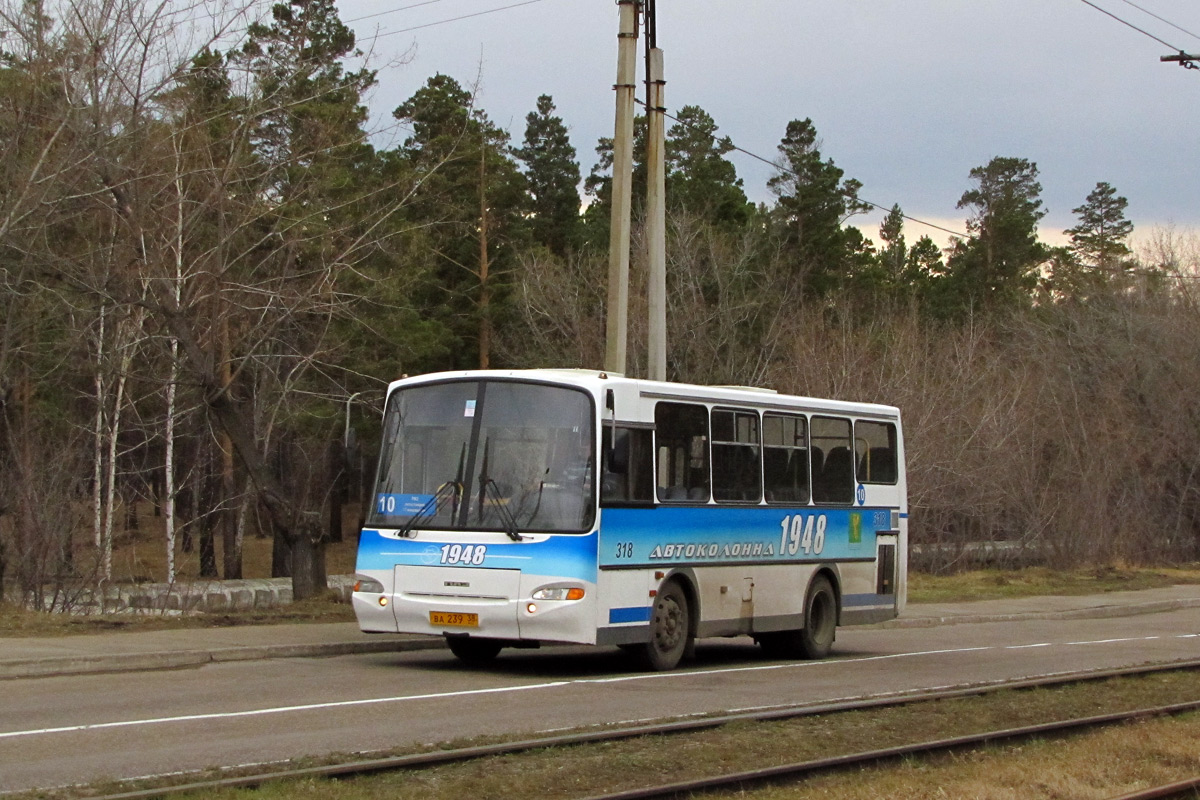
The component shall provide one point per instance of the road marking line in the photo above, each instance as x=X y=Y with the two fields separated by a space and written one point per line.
x=274 y=710
x=551 y=685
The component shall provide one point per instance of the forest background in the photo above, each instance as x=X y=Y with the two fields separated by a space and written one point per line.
x=210 y=269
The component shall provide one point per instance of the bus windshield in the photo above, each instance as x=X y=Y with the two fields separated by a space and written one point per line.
x=487 y=455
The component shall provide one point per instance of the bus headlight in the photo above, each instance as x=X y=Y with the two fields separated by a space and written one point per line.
x=559 y=593
x=368 y=585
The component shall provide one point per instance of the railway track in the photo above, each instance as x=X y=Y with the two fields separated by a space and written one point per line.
x=1181 y=789
x=744 y=778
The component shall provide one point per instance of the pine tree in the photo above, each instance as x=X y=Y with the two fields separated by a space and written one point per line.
x=552 y=177
x=814 y=203
x=700 y=179
x=997 y=267
x=1099 y=238
x=894 y=255
x=314 y=114
x=471 y=202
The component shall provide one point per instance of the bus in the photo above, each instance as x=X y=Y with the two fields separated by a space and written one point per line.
x=516 y=508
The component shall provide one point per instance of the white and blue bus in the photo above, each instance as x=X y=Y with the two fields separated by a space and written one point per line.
x=514 y=508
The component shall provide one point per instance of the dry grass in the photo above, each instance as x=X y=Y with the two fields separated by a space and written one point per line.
x=1038 y=581
x=1110 y=762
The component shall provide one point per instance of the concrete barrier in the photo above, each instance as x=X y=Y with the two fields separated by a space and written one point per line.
x=213 y=596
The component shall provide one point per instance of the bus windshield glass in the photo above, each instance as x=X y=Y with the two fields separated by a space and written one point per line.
x=487 y=455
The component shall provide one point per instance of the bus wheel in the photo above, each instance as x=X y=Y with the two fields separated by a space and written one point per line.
x=473 y=651
x=820 y=619
x=670 y=629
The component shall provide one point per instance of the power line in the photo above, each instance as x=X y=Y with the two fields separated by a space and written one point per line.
x=454 y=19
x=782 y=168
x=391 y=11
x=1160 y=19
x=1130 y=24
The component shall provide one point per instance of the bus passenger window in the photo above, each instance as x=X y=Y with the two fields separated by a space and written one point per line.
x=875 y=452
x=628 y=466
x=785 y=458
x=835 y=482
x=681 y=432
x=736 y=466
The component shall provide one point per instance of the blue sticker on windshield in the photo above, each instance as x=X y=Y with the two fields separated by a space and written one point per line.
x=400 y=505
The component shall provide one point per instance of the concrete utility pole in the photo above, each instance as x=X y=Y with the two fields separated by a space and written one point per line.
x=622 y=193
x=656 y=202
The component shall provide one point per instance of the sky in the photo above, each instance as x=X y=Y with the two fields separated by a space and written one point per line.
x=907 y=96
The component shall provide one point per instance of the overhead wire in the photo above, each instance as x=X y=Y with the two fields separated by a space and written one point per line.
x=640 y=102
x=1131 y=25
x=1160 y=19
x=391 y=11
x=782 y=168
x=451 y=19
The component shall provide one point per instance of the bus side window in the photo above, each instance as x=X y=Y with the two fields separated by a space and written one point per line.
x=736 y=466
x=785 y=458
x=875 y=451
x=835 y=482
x=681 y=432
x=628 y=466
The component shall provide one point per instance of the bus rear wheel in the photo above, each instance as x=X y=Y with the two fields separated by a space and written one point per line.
x=820 y=619
x=670 y=630
x=815 y=639
x=473 y=651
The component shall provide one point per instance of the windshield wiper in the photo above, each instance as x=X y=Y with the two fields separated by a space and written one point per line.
x=500 y=503
x=448 y=490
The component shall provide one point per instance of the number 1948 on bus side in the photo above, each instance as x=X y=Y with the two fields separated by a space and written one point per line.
x=800 y=534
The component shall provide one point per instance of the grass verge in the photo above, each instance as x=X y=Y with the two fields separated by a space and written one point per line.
x=1042 y=581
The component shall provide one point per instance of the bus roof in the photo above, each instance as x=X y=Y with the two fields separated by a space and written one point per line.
x=596 y=381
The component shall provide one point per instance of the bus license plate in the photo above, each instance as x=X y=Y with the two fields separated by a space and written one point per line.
x=453 y=619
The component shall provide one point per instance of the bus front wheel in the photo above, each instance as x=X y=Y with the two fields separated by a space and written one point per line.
x=670 y=629
x=473 y=651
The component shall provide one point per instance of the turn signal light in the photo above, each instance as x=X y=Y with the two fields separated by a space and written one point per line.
x=364 y=584
x=559 y=593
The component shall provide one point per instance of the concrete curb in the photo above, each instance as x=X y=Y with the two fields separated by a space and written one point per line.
x=1094 y=612
x=184 y=659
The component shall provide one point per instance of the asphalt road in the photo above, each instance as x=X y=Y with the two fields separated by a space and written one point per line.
x=64 y=730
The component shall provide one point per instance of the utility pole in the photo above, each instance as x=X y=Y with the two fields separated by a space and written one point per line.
x=617 y=323
x=656 y=202
x=1185 y=60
